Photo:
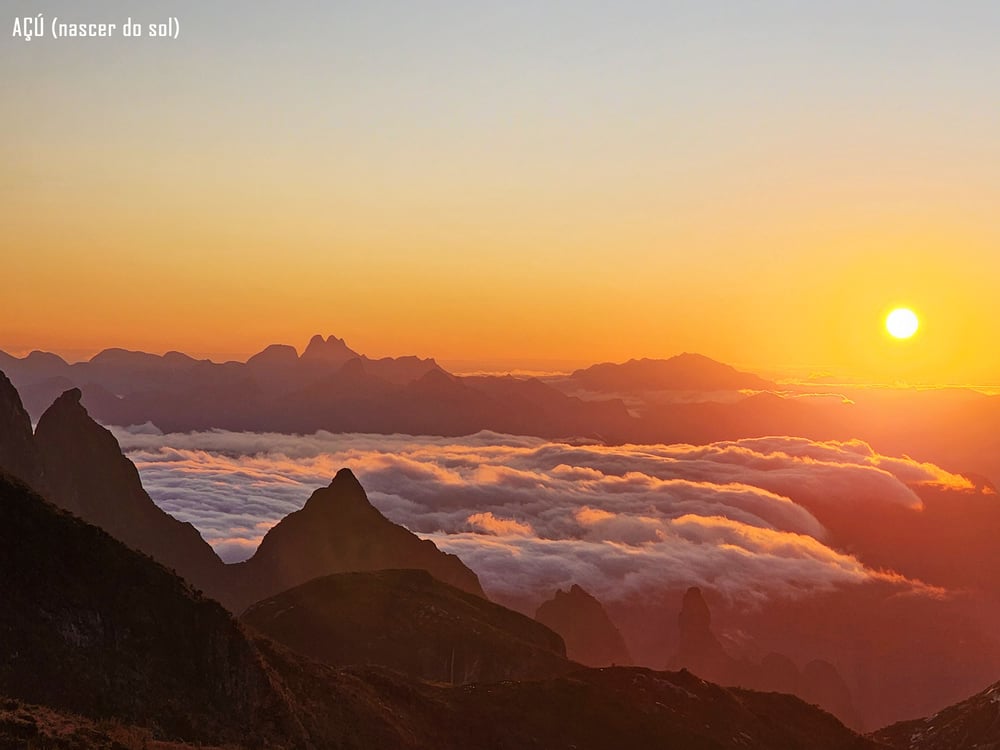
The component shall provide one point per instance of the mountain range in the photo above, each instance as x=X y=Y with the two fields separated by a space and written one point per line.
x=103 y=645
x=686 y=398
x=68 y=613
x=79 y=465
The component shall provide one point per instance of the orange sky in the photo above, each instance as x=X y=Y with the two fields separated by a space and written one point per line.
x=524 y=188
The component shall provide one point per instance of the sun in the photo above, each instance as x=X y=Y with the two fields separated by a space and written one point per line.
x=902 y=323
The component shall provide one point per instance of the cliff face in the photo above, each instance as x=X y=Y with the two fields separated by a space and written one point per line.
x=411 y=622
x=338 y=530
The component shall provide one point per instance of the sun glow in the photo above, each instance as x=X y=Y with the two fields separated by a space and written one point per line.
x=902 y=323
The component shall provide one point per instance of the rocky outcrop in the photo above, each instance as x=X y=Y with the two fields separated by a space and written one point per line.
x=590 y=635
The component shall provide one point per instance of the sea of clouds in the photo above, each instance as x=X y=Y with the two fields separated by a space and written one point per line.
x=531 y=515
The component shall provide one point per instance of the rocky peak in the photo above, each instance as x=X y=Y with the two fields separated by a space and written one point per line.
x=18 y=454
x=331 y=351
x=339 y=530
x=590 y=635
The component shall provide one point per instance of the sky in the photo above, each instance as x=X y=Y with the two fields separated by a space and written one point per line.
x=513 y=183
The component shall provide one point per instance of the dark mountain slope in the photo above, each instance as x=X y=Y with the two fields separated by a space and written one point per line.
x=411 y=622
x=622 y=707
x=684 y=372
x=90 y=626
x=973 y=724
x=88 y=476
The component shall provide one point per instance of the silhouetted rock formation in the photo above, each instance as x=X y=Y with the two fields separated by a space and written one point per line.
x=330 y=351
x=684 y=372
x=411 y=622
x=700 y=651
x=590 y=635
x=338 y=530
x=88 y=476
x=972 y=723
x=18 y=453
x=822 y=684
x=93 y=627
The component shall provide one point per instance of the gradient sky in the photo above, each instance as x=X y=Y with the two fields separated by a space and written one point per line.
x=517 y=182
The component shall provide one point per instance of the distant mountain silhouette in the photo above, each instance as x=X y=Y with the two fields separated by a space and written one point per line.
x=701 y=651
x=411 y=622
x=972 y=723
x=684 y=372
x=329 y=351
x=337 y=530
x=330 y=387
x=590 y=635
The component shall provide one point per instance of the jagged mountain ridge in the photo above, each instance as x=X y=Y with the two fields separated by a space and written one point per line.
x=683 y=372
x=80 y=466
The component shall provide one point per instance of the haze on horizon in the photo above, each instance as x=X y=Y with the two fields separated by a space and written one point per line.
x=515 y=183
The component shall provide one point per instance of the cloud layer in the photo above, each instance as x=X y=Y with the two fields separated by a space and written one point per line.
x=530 y=515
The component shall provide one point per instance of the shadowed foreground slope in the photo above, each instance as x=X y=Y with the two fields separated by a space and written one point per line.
x=411 y=622
x=94 y=628
x=974 y=723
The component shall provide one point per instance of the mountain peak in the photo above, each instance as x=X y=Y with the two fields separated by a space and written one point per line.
x=339 y=530
x=345 y=481
x=68 y=398
x=330 y=350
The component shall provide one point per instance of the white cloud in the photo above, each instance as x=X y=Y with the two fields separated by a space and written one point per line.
x=529 y=515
